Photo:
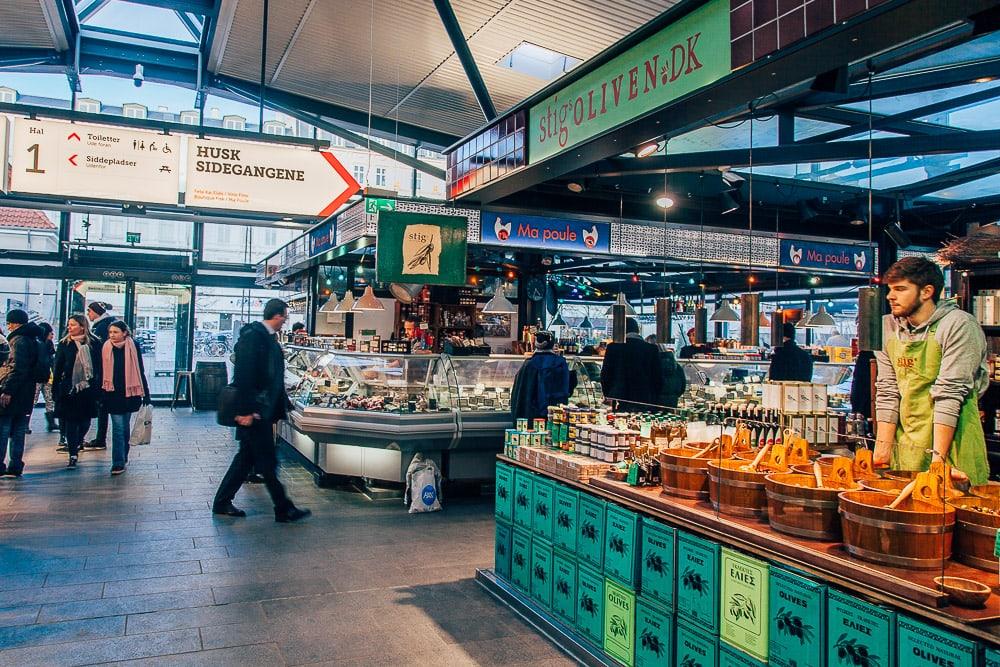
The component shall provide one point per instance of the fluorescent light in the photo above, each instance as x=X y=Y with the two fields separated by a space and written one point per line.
x=663 y=201
x=573 y=186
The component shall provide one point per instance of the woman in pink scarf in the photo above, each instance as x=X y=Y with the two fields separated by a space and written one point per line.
x=125 y=388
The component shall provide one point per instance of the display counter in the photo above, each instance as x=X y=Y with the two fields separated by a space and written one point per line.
x=673 y=570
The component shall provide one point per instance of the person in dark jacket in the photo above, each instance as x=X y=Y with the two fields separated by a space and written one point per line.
x=76 y=382
x=790 y=362
x=543 y=380
x=100 y=320
x=17 y=390
x=674 y=380
x=123 y=378
x=631 y=372
x=259 y=374
x=45 y=388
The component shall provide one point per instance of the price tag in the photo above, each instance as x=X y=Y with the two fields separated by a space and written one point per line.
x=645 y=428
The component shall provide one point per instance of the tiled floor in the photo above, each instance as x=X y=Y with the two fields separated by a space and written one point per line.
x=135 y=570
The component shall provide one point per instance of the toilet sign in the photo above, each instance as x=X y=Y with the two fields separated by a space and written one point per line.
x=52 y=157
x=265 y=178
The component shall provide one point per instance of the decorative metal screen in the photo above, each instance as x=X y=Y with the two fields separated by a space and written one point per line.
x=711 y=247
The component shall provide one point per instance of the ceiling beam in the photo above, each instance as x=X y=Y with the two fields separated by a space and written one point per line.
x=458 y=41
x=90 y=9
x=885 y=122
x=189 y=25
x=959 y=176
x=959 y=142
x=201 y=7
x=857 y=118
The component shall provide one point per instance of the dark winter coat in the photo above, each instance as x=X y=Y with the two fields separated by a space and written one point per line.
x=543 y=380
x=17 y=375
x=790 y=363
x=82 y=404
x=259 y=373
x=674 y=380
x=631 y=372
x=115 y=402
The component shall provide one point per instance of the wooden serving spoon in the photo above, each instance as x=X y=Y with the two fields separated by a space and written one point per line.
x=818 y=474
x=903 y=495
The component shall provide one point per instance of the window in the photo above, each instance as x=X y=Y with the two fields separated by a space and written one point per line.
x=418 y=184
x=170 y=234
x=8 y=95
x=236 y=244
x=234 y=123
x=133 y=111
x=223 y=234
x=359 y=173
x=28 y=230
x=189 y=117
x=274 y=127
x=380 y=176
x=87 y=105
x=537 y=61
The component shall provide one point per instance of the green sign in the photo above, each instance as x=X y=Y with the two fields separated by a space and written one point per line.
x=133 y=237
x=421 y=248
x=683 y=57
x=377 y=204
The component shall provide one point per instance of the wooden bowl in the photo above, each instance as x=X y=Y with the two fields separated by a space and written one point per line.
x=964 y=592
x=990 y=490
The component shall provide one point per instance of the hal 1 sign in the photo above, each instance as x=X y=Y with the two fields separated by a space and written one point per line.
x=532 y=231
x=826 y=256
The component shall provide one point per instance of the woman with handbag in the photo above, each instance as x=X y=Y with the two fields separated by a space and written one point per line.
x=125 y=388
x=76 y=382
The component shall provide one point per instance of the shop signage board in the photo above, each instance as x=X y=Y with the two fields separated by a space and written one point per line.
x=421 y=248
x=322 y=238
x=798 y=254
x=265 y=178
x=683 y=57
x=133 y=237
x=95 y=161
x=534 y=231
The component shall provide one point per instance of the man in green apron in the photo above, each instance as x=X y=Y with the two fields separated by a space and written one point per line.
x=931 y=372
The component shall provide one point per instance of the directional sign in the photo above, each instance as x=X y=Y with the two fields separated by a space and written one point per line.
x=95 y=162
x=249 y=176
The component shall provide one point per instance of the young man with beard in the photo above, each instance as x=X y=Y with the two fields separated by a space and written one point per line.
x=931 y=372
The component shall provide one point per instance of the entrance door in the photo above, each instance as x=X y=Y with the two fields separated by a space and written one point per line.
x=159 y=316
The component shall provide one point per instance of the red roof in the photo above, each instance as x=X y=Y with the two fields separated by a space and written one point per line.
x=23 y=218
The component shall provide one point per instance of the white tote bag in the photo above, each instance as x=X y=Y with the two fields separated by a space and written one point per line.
x=142 y=428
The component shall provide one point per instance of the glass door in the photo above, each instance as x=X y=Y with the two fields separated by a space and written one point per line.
x=159 y=316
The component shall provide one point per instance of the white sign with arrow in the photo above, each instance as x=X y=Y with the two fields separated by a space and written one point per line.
x=265 y=178
x=95 y=162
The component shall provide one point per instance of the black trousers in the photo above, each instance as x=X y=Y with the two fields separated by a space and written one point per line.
x=102 y=426
x=256 y=454
x=76 y=431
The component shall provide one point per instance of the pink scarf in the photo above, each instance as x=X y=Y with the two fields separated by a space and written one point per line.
x=133 y=379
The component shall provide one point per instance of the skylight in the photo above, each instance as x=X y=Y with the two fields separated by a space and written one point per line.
x=537 y=61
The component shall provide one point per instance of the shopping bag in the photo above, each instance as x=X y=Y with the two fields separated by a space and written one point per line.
x=142 y=429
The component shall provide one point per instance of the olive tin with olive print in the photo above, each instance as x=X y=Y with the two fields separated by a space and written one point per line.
x=621 y=546
x=542 y=504
x=524 y=509
x=657 y=563
x=590 y=531
x=654 y=634
x=501 y=549
x=590 y=604
x=730 y=657
x=859 y=634
x=564 y=586
x=697 y=595
x=922 y=645
x=798 y=621
x=541 y=572
x=504 y=492
x=744 y=615
x=520 y=560
x=695 y=647
x=564 y=530
x=619 y=622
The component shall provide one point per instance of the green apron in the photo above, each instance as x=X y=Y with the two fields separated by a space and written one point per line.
x=917 y=364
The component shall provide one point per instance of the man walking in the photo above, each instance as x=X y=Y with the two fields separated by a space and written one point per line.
x=17 y=390
x=100 y=320
x=259 y=374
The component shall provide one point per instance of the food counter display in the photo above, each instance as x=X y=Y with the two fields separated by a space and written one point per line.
x=725 y=380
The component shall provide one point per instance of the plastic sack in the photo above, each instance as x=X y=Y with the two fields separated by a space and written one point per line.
x=142 y=428
x=423 y=485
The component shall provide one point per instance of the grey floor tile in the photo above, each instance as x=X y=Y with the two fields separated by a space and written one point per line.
x=238 y=634
x=270 y=591
x=263 y=655
x=195 y=617
x=103 y=650
x=135 y=604
x=57 y=633
x=44 y=595
x=123 y=573
x=157 y=556
x=24 y=615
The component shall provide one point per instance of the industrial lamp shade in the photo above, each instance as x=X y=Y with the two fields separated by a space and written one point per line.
x=724 y=314
x=499 y=304
x=804 y=322
x=558 y=321
x=368 y=301
x=405 y=292
x=586 y=324
x=346 y=304
x=821 y=319
x=331 y=304
x=621 y=301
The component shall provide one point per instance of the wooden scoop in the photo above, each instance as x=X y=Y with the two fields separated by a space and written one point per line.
x=744 y=439
x=760 y=457
x=863 y=462
x=727 y=448
x=841 y=473
x=818 y=474
x=779 y=458
x=706 y=450
x=903 y=495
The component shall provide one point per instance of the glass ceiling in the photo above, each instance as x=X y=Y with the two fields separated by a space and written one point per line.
x=900 y=103
x=971 y=190
x=144 y=20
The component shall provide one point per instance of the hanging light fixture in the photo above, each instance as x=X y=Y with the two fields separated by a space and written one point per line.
x=586 y=324
x=821 y=319
x=804 y=322
x=368 y=301
x=724 y=314
x=621 y=301
x=499 y=303
x=346 y=304
x=558 y=320
x=331 y=304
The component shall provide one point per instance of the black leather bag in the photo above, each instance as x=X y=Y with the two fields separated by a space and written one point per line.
x=229 y=403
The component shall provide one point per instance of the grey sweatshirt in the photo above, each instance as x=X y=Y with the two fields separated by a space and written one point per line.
x=963 y=363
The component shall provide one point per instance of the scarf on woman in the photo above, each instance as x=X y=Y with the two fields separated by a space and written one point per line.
x=133 y=379
x=83 y=367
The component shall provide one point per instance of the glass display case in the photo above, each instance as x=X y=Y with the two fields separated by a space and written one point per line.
x=588 y=392
x=725 y=380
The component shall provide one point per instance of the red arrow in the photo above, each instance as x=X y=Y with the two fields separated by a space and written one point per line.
x=73 y=136
x=350 y=185
x=72 y=159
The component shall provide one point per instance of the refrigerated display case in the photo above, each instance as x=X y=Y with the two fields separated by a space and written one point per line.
x=726 y=380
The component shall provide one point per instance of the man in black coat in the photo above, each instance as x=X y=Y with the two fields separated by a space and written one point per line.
x=17 y=389
x=100 y=320
x=631 y=372
x=259 y=374
x=790 y=363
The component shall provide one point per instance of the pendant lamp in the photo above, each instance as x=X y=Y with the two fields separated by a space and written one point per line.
x=499 y=303
x=629 y=310
x=724 y=314
x=765 y=322
x=821 y=319
x=558 y=321
x=331 y=304
x=804 y=322
x=346 y=304
x=586 y=324
x=368 y=301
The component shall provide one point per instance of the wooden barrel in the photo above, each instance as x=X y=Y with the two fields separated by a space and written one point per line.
x=737 y=492
x=796 y=507
x=825 y=465
x=751 y=454
x=894 y=485
x=908 y=475
x=681 y=475
x=990 y=490
x=915 y=535
x=975 y=532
